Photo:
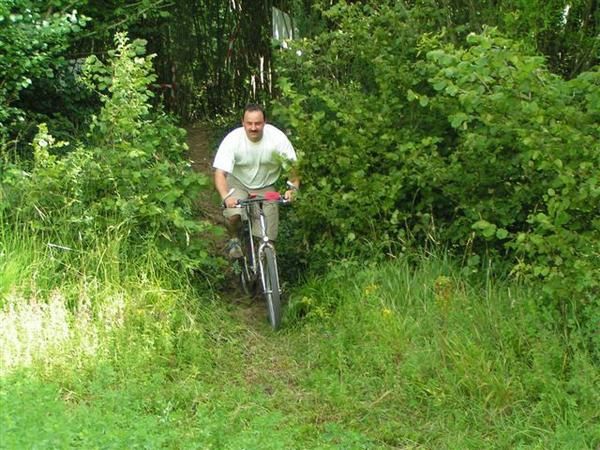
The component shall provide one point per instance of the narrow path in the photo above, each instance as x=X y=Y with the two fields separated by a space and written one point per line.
x=270 y=363
x=202 y=140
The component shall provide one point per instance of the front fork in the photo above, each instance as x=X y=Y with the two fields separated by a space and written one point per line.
x=258 y=264
x=261 y=263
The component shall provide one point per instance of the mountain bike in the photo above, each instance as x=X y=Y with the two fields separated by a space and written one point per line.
x=258 y=265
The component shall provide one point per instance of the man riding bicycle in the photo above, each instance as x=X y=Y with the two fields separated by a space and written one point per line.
x=249 y=161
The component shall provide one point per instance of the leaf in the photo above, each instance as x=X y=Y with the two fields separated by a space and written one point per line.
x=501 y=233
x=411 y=95
x=473 y=260
x=456 y=120
x=451 y=90
x=439 y=85
x=486 y=228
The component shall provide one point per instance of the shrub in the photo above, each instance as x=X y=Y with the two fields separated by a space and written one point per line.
x=406 y=137
x=520 y=170
x=131 y=175
x=33 y=43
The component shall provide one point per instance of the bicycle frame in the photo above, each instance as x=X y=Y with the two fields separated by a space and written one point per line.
x=264 y=240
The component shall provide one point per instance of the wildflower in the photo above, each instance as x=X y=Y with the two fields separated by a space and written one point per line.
x=370 y=289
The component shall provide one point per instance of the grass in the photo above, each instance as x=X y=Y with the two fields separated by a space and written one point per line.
x=432 y=361
x=107 y=353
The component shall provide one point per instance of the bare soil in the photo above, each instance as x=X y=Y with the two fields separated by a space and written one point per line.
x=202 y=143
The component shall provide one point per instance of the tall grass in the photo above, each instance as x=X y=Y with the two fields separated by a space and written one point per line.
x=104 y=351
x=91 y=341
x=60 y=305
x=417 y=356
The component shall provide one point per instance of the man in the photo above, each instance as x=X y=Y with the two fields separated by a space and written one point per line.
x=249 y=161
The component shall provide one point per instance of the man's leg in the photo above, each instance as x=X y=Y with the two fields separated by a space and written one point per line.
x=233 y=222
x=271 y=214
x=233 y=218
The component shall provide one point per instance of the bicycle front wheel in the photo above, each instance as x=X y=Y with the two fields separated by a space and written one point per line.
x=271 y=287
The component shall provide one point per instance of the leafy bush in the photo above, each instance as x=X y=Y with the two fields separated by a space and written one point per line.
x=522 y=168
x=132 y=175
x=32 y=49
x=407 y=137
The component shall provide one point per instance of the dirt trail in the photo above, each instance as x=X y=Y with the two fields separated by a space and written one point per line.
x=202 y=141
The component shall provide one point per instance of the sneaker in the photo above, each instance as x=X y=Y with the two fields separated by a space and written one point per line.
x=234 y=249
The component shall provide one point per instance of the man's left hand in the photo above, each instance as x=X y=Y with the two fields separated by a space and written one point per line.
x=289 y=195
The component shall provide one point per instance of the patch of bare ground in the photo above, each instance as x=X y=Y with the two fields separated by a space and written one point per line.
x=201 y=140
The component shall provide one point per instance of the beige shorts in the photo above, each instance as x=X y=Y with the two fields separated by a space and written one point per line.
x=271 y=209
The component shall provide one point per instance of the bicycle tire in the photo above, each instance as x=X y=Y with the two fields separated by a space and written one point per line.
x=271 y=287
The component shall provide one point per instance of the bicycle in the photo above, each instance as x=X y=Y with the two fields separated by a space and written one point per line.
x=259 y=260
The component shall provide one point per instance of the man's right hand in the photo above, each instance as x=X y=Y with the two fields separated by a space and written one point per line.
x=230 y=202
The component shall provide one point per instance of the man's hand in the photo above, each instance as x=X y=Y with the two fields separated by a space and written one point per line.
x=223 y=188
x=294 y=184
x=289 y=195
x=230 y=202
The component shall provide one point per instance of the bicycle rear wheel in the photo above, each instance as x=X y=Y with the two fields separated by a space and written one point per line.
x=271 y=287
x=247 y=278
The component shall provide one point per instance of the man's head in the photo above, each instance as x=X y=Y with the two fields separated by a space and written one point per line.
x=254 y=121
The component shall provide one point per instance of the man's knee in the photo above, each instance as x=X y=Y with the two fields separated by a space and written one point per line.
x=235 y=219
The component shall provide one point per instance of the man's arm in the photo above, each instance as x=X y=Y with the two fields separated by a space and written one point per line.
x=223 y=187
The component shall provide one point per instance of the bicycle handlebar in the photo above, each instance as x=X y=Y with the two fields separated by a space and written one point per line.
x=261 y=199
x=270 y=197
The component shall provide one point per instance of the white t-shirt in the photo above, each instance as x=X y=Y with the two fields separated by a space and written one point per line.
x=254 y=164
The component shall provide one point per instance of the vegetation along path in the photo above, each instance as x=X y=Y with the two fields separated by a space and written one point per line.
x=403 y=355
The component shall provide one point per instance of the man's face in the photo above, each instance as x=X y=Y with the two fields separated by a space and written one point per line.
x=254 y=122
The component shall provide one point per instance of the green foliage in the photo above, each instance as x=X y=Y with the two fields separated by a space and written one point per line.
x=406 y=137
x=566 y=32
x=522 y=168
x=341 y=94
x=32 y=46
x=132 y=175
